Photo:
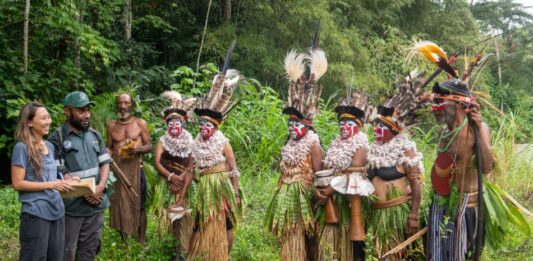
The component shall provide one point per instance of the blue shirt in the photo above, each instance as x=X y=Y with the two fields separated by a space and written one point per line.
x=46 y=204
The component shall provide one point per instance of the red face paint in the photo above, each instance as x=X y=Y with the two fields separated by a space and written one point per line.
x=348 y=128
x=439 y=107
x=382 y=133
x=207 y=129
x=297 y=130
x=174 y=127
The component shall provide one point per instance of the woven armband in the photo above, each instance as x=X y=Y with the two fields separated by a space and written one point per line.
x=413 y=173
x=234 y=173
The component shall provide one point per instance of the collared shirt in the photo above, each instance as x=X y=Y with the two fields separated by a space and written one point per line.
x=80 y=154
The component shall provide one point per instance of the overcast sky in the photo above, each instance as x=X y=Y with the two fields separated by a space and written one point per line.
x=525 y=2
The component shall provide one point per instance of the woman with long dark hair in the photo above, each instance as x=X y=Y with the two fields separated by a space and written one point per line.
x=34 y=176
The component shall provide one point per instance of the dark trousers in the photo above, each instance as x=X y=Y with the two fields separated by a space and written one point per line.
x=41 y=239
x=82 y=237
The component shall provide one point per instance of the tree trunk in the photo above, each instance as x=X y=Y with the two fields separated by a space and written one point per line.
x=497 y=49
x=227 y=11
x=26 y=32
x=77 y=47
x=203 y=36
x=127 y=16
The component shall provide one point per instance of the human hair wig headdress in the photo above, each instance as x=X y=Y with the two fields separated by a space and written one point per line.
x=400 y=111
x=354 y=106
x=304 y=70
x=178 y=108
x=455 y=88
x=218 y=102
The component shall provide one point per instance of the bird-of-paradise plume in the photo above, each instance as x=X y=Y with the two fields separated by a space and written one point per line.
x=294 y=65
x=318 y=64
x=433 y=53
x=303 y=71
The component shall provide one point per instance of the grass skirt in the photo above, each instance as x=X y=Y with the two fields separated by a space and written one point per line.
x=289 y=217
x=388 y=226
x=215 y=203
x=334 y=240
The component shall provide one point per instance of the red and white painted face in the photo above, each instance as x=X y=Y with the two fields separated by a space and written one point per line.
x=348 y=128
x=297 y=129
x=382 y=133
x=207 y=129
x=443 y=110
x=174 y=127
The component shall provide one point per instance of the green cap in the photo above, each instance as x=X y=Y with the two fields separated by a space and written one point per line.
x=77 y=99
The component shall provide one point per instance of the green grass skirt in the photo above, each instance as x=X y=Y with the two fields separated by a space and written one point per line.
x=334 y=240
x=290 y=205
x=388 y=226
x=215 y=194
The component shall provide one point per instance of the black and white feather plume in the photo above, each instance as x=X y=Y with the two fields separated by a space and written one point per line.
x=407 y=99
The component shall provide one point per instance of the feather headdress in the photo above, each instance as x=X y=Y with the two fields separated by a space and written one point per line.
x=456 y=87
x=354 y=106
x=179 y=107
x=433 y=53
x=218 y=102
x=304 y=95
x=400 y=111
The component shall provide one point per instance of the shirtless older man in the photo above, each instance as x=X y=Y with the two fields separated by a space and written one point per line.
x=455 y=174
x=127 y=139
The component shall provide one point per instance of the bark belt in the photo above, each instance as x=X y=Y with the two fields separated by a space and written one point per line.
x=392 y=202
x=472 y=200
x=222 y=167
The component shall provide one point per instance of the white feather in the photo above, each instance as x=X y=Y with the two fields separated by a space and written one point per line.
x=231 y=82
x=294 y=65
x=232 y=77
x=319 y=63
x=174 y=96
x=189 y=102
x=215 y=79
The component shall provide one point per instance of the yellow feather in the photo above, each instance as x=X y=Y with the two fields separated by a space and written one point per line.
x=431 y=51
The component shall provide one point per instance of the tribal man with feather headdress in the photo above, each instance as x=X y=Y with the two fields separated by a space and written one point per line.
x=290 y=215
x=395 y=169
x=218 y=197
x=173 y=160
x=454 y=176
x=340 y=225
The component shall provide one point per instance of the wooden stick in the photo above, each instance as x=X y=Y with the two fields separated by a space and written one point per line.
x=123 y=178
x=404 y=244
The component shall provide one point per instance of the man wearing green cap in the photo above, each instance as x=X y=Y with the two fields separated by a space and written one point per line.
x=81 y=153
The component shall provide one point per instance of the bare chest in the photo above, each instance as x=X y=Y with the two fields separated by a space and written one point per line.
x=120 y=132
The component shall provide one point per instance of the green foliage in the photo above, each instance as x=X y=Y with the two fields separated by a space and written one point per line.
x=9 y=224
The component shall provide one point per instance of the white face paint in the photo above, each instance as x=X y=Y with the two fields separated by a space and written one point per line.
x=297 y=130
x=174 y=127
x=348 y=128
x=382 y=133
x=207 y=129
